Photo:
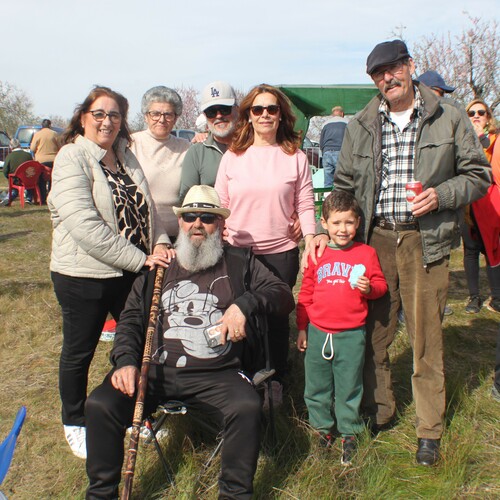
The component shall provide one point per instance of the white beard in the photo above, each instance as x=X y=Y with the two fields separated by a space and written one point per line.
x=198 y=257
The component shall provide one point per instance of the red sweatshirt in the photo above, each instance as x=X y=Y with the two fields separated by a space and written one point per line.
x=326 y=298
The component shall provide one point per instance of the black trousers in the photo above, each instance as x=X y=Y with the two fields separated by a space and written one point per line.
x=43 y=184
x=284 y=265
x=85 y=304
x=225 y=395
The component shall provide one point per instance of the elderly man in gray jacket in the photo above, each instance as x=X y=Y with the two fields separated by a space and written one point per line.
x=407 y=133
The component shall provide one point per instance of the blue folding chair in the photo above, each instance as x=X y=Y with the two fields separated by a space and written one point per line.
x=9 y=444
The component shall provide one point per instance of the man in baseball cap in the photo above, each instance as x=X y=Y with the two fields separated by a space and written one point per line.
x=436 y=82
x=201 y=163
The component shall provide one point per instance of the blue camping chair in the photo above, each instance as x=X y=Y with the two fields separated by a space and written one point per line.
x=8 y=445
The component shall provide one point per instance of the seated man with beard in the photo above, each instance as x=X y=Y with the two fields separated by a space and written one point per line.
x=209 y=283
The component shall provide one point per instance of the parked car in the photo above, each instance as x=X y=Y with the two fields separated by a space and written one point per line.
x=25 y=133
x=4 y=147
x=183 y=133
x=311 y=149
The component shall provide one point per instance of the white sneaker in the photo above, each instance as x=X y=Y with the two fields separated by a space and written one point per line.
x=76 y=438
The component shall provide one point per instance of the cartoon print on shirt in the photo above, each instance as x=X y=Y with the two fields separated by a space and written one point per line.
x=187 y=314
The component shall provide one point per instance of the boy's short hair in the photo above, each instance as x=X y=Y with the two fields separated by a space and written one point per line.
x=340 y=201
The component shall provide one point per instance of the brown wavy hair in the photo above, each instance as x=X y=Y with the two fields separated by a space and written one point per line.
x=491 y=124
x=75 y=125
x=286 y=136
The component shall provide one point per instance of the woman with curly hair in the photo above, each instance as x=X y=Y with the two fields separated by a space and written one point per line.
x=264 y=179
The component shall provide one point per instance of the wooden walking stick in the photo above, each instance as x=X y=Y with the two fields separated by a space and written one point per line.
x=143 y=384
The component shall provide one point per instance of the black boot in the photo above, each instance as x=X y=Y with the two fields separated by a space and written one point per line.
x=428 y=451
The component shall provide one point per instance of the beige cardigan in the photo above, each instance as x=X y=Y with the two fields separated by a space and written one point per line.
x=85 y=240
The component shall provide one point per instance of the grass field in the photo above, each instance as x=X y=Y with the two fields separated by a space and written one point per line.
x=44 y=468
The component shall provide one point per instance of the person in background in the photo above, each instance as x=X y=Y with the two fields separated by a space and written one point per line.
x=487 y=212
x=263 y=179
x=330 y=143
x=16 y=157
x=484 y=126
x=201 y=163
x=209 y=283
x=435 y=82
x=413 y=241
x=44 y=147
x=161 y=154
x=105 y=230
x=333 y=301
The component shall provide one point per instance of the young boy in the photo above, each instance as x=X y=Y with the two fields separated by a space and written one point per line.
x=333 y=300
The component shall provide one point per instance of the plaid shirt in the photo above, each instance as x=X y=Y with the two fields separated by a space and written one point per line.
x=398 y=154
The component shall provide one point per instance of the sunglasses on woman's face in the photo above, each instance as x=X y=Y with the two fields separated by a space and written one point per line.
x=205 y=217
x=480 y=112
x=258 y=110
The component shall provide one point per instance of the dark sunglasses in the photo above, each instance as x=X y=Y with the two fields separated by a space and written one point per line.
x=480 y=112
x=212 y=111
x=205 y=217
x=272 y=109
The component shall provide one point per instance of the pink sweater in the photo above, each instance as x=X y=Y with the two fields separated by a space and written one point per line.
x=262 y=188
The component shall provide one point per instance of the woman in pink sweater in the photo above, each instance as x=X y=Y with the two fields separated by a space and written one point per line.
x=264 y=178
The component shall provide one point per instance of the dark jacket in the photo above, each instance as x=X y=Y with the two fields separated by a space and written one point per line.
x=448 y=157
x=257 y=292
x=13 y=160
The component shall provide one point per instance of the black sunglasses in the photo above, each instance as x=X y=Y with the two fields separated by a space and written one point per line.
x=205 y=217
x=480 y=112
x=272 y=109
x=212 y=111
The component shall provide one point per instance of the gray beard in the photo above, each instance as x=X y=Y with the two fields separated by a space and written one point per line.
x=195 y=258
x=222 y=134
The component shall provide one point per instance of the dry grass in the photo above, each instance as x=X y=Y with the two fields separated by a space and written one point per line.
x=43 y=467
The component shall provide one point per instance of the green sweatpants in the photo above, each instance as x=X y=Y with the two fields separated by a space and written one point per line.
x=335 y=385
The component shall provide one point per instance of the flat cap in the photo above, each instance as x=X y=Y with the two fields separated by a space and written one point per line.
x=386 y=53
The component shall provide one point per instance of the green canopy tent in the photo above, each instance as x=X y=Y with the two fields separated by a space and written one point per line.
x=318 y=100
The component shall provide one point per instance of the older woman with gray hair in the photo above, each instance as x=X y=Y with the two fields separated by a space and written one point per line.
x=161 y=154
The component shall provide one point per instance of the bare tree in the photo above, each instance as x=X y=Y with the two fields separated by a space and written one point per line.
x=58 y=121
x=137 y=123
x=190 y=107
x=470 y=61
x=15 y=108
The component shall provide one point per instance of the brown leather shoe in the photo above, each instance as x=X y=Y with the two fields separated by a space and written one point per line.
x=428 y=451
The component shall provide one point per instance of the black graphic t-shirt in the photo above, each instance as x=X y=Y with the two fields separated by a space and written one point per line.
x=191 y=303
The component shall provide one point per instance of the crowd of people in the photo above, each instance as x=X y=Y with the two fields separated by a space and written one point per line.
x=225 y=217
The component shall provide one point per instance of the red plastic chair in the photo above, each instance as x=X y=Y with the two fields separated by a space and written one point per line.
x=26 y=176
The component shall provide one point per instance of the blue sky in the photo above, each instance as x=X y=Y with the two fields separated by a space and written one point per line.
x=56 y=50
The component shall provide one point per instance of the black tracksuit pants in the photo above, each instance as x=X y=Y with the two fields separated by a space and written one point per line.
x=224 y=394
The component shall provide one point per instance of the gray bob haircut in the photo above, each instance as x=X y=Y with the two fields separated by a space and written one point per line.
x=14 y=143
x=161 y=94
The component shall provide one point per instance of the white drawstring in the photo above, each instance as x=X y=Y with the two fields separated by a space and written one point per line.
x=329 y=338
